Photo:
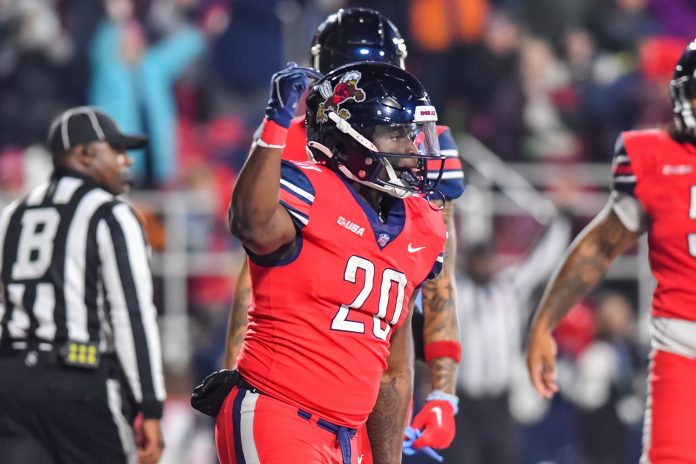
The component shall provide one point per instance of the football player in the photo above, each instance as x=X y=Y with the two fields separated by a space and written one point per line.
x=653 y=191
x=359 y=34
x=337 y=252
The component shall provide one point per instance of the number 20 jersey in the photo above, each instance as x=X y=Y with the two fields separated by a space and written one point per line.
x=661 y=174
x=320 y=322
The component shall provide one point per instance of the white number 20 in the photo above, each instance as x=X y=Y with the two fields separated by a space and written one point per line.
x=389 y=278
x=35 y=249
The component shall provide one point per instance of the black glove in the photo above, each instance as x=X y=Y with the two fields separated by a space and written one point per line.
x=209 y=395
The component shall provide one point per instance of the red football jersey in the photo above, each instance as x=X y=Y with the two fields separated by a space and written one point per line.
x=321 y=321
x=296 y=142
x=661 y=174
x=451 y=183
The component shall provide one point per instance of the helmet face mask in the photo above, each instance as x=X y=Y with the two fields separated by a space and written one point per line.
x=682 y=91
x=356 y=34
x=380 y=131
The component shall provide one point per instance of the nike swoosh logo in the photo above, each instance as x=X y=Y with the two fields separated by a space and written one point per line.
x=361 y=458
x=412 y=249
x=438 y=415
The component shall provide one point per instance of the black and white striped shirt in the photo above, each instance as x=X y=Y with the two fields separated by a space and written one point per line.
x=492 y=317
x=74 y=267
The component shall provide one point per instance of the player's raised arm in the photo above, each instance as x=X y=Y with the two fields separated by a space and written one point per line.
x=385 y=426
x=586 y=262
x=256 y=217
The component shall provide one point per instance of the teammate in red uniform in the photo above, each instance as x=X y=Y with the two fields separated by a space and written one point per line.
x=359 y=34
x=654 y=190
x=337 y=250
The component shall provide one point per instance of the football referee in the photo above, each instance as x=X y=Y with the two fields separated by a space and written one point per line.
x=79 y=343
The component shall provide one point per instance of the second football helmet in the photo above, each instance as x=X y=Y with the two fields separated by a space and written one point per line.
x=356 y=34
x=682 y=91
x=356 y=105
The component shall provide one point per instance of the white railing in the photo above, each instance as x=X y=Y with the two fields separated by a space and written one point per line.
x=494 y=189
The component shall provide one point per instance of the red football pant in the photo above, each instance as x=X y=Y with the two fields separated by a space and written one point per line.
x=252 y=428
x=669 y=434
x=364 y=444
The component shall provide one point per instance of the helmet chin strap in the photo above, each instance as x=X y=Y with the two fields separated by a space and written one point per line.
x=392 y=190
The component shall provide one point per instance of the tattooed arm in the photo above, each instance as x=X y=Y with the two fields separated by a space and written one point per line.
x=440 y=312
x=237 y=322
x=385 y=426
x=586 y=262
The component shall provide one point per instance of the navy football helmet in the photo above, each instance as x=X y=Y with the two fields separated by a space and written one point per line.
x=356 y=34
x=356 y=108
x=682 y=91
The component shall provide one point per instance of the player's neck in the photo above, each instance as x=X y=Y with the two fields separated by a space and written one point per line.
x=374 y=198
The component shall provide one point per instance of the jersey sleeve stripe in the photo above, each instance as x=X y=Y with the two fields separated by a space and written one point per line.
x=296 y=191
x=296 y=214
x=293 y=202
x=447 y=175
x=450 y=152
x=620 y=169
x=437 y=267
x=624 y=179
x=291 y=175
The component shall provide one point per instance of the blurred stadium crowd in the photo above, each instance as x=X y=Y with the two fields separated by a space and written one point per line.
x=546 y=84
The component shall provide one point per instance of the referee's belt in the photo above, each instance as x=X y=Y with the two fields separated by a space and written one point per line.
x=71 y=354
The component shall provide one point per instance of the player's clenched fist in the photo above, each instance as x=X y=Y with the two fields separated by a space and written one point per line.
x=541 y=362
x=436 y=422
x=287 y=86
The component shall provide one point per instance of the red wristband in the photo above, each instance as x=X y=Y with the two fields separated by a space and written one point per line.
x=443 y=349
x=272 y=134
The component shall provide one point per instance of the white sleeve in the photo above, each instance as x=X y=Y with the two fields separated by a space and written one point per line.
x=629 y=211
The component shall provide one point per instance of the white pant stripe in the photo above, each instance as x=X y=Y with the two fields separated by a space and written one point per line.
x=246 y=428
x=647 y=421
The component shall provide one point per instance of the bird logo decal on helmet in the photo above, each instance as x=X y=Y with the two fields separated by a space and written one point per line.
x=346 y=89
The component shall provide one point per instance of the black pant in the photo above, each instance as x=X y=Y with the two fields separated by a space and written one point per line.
x=51 y=414
x=486 y=432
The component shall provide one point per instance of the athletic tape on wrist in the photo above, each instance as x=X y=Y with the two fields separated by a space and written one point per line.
x=439 y=395
x=443 y=349
x=273 y=135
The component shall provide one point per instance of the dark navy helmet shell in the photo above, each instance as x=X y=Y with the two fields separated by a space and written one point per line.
x=355 y=103
x=682 y=91
x=356 y=34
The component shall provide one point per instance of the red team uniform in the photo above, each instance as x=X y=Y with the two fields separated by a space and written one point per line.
x=451 y=186
x=313 y=328
x=660 y=173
